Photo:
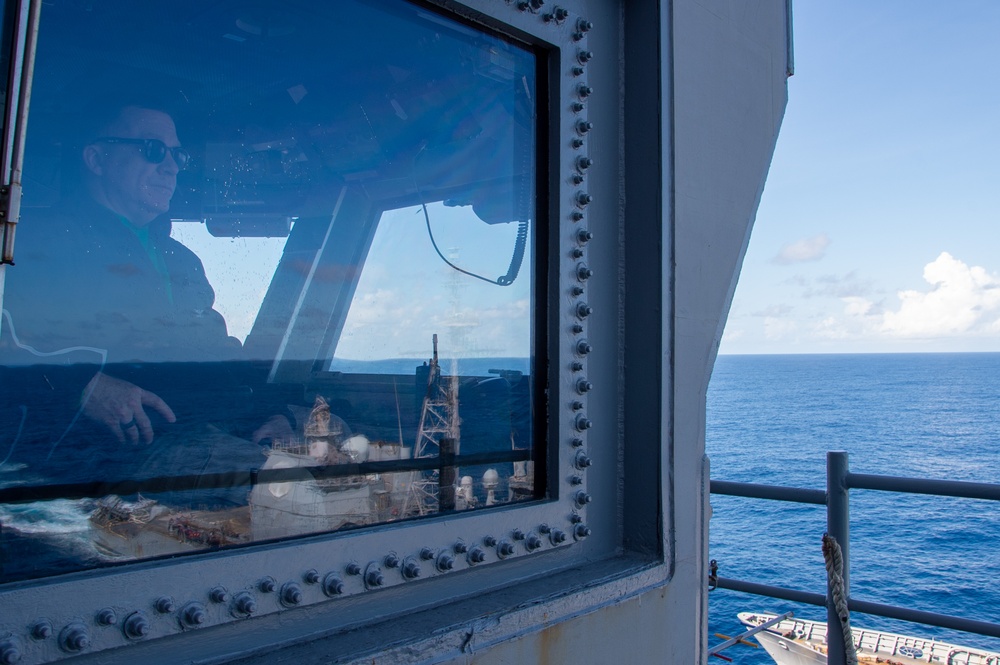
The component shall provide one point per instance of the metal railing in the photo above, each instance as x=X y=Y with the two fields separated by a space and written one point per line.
x=836 y=498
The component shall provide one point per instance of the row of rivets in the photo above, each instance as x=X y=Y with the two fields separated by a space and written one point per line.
x=75 y=637
x=582 y=127
x=558 y=14
x=532 y=5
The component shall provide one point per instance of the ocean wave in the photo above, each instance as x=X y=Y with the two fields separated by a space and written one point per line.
x=60 y=516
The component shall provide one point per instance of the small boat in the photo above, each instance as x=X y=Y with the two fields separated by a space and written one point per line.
x=802 y=642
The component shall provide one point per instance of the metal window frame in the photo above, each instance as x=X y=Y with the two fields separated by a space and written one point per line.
x=68 y=605
x=15 y=127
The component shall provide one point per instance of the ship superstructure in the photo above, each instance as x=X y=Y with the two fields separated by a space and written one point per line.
x=599 y=163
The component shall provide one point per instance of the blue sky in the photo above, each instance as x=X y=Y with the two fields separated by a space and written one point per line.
x=406 y=293
x=878 y=227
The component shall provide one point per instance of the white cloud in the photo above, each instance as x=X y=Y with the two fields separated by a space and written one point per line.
x=833 y=328
x=733 y=334
x=838 y=286
x=776 y=329
x=857 y=306
x=959 y=308
x=774 y=311
x=961 y=300
x=801 y=251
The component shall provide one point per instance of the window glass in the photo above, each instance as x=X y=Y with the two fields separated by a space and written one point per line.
x=274 y=278
x=446 y=284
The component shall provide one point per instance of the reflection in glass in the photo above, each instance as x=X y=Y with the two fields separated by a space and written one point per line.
x=321 y=321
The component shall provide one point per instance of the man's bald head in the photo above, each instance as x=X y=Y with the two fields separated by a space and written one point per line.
x=118 y=172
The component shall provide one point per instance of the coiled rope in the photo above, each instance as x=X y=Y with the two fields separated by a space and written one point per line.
x=834 y=558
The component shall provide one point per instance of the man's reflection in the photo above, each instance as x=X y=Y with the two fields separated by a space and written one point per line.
x=101 y=283
x=131 y=170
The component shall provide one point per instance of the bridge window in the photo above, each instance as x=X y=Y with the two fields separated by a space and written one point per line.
x=274 y=278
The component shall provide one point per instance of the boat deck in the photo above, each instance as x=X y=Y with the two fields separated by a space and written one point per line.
x=795 y=641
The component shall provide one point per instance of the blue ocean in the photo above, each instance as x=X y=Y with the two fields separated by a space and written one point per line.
x=772 y=419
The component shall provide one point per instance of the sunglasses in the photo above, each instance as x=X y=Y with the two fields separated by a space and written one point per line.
x=154 y=150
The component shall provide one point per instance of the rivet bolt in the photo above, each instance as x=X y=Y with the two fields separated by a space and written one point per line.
x=136 y=626
x=10 y=651
x=445 y=562
x=333 y=585
x=41 y=629
x=291 y=593
x=164 y=605
x=411 y=569
x=193 y=614
x=218 y=595
x=244 y=604
x=374 y=577
x=74 y=638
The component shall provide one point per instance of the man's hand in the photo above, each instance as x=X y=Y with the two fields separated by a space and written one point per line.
x=277 y=429
x=118 y=405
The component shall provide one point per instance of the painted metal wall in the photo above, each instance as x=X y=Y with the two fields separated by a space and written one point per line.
x=724 y=71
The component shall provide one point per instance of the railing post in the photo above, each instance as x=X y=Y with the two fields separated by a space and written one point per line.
x=838 y=513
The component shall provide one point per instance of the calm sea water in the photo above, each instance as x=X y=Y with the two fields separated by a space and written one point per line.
x=772 y=419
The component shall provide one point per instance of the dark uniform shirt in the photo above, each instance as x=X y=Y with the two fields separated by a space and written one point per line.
x=92 y=293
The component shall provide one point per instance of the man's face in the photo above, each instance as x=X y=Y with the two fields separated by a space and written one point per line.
x=125 y=181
